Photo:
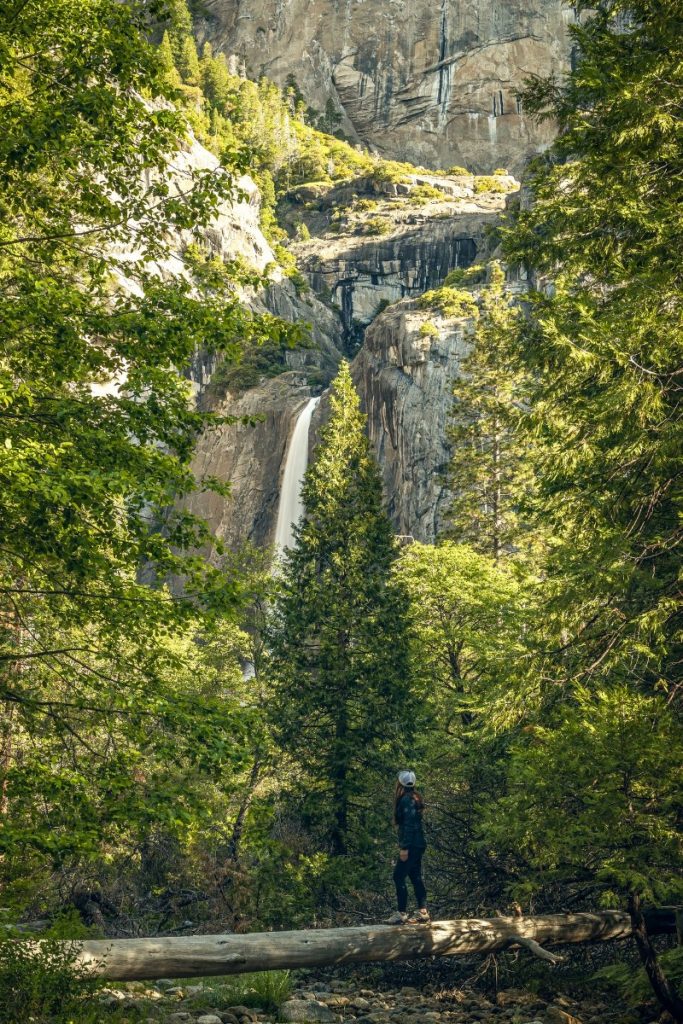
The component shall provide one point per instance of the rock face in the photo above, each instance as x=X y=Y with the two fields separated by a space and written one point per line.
x=405 y=364
x=429 y=81
x=375 y=242
x=404 y=374
x=249 y=457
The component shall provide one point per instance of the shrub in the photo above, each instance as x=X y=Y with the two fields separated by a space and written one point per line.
x=457 y=172
x=365 y=205
x=427 y=193
x=428 y=329
x=452 y=302
x=501 y=171
x=633 y=984
x=476 y=274
x=287 y=261
x=377 y=226
x=268 y=990
x=392 y=171
x=44 y=984
x=488 y=183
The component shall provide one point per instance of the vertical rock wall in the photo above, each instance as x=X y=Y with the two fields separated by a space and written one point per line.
x=405 y=380
x=429 y=81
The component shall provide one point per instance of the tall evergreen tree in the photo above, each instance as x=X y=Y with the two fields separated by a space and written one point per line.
x=489 y=471
x=344 y=710
x=604 y=346
x=594 y=785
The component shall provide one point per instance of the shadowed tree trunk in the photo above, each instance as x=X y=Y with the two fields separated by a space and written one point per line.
x=661 y=986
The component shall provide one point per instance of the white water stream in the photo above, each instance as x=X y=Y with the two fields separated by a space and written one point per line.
x=296 y=463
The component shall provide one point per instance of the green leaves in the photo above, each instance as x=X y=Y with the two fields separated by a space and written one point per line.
x=111 y=717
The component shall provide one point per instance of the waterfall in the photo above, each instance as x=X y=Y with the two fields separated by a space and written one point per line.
x=291 y=506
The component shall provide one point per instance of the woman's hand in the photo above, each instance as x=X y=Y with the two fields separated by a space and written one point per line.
x=403 y=854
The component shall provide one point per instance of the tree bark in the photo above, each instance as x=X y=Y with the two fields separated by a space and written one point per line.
x=661 y=986
x=204 y=955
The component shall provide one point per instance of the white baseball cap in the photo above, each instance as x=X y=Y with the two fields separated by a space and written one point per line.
x=407 y=778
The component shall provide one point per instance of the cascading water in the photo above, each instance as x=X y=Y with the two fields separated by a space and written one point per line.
x=296 y=462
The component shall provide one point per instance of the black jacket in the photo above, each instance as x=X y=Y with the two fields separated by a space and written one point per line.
x=409 y=819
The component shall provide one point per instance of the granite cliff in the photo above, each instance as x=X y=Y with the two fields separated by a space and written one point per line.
x=360 y=303
x=430 y=81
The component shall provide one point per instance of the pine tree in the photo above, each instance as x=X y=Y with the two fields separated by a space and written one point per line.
x=188 y=62
x=344 y=711
x=167 y=61
x=179 y=21
x=604 y=346
x=594 y=784
x=488 y=472
x=215 y=78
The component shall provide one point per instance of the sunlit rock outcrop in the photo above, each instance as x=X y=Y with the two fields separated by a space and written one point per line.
x=430 y=81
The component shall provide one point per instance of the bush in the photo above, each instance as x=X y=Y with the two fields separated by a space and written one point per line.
x=457 y=172
x=452 y=302
x=268 y=990
x=377 y=226
x=501 y=171
x=44 y=984
x=392 y=171
x=365 y=205
x=429 y=330
x=488 y=183
x=427 y=193
x=476 y=274
x=633 y=985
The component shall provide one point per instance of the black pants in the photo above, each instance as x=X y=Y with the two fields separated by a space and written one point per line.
x=412 y=869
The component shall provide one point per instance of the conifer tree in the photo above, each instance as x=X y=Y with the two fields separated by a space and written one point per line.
x=604 y=347
x=594 y=785
x=167 y=61
x=215 y=78
x=188 y=62
x=179 y=21
x=344 y=711
x=488 y=472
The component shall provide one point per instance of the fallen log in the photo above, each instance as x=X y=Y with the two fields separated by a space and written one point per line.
x=204 y=955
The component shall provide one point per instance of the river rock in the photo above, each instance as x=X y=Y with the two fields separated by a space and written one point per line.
x=335 y=1000
x=209 y=1018
x=242 y=1012
x=556 y=1015
x=302 y=1011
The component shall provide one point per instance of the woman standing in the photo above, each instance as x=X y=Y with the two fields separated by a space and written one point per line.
x=408 y=810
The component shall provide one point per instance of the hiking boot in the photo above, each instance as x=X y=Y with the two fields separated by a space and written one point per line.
x=397 y=918
x=420 y=917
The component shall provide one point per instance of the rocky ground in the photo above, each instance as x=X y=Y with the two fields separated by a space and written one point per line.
x=329 y=999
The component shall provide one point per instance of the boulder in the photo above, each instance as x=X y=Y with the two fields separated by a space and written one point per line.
x=556 y=1015
x=306 y=1011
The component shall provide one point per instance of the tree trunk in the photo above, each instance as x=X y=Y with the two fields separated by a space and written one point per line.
x=339 y=783
x=238 y=828
x=204 y=955
x=661 y=986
